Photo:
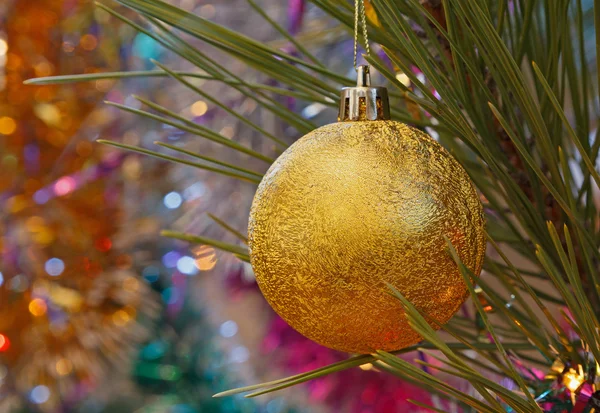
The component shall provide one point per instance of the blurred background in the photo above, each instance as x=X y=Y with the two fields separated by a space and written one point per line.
x=98 y=313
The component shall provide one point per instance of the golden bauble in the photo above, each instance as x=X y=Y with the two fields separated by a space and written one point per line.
x=355 y=205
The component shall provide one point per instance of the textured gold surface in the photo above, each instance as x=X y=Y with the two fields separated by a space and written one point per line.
x=351 y=206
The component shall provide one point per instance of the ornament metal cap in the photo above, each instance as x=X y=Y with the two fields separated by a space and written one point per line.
x=363 y=102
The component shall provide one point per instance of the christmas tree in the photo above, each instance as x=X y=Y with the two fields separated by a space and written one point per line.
x=510 y=89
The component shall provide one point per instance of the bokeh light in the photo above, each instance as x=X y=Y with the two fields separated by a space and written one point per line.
x=172 y=200
x=39 y=394
x=7 y=125
x=65 y=186
x=121 y=317
x=194 y=191
x=228 y=329
x=103 y=244
x=88 y=42
x=187 y=265
x=54 y=266
x=240 y=354
x=199 y=108
x=64 y=367
x=227 y=132
x=38 y=307
x=170 y=259
x=4 y=342
x=206 y=257
x=41 y=196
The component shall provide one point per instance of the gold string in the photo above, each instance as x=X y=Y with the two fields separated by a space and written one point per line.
x=359 y=9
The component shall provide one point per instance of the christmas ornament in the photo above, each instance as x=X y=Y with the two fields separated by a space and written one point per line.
x=355 y=205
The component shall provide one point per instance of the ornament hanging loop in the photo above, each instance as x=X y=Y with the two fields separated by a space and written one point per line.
x=359 y=13
x=363 y=102
x=363 y=76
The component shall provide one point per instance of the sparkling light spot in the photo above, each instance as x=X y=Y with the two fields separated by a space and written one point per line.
x=3 y=47
x=573 y=379
x=54 y=266
x=88 y=42
x=132 y=169
x=121 y=317
x=1 y=279
x=433 y=133
x=7 y=125
x=199 y=108
x=240 y=354
x=38 y=307
x=64 y=367
x=313 y=110
x=227 y=132
x=172 y=200
x=402 y=78
x=187 y=265
x=146 y=47
x=170 y=259
x=228 y=329
x=48 y=113
x=4 y=343
x=103 y=244
x=194 y=191
x=41 y=197
x=64 y=185
x=206 y=257
x=39 y=394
